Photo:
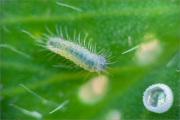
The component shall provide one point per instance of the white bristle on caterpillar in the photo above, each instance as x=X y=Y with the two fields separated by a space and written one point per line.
x=82 y=54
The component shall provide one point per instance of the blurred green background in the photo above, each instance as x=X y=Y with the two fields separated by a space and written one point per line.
x=117 y=26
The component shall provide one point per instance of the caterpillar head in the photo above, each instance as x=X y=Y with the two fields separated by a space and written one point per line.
x=101 y=63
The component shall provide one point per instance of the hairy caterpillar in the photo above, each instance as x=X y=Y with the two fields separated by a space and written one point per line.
x=82 y=54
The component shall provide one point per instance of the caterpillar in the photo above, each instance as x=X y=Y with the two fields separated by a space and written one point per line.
x=82 y=54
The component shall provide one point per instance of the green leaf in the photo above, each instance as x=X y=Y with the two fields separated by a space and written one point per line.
x=149 y=29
